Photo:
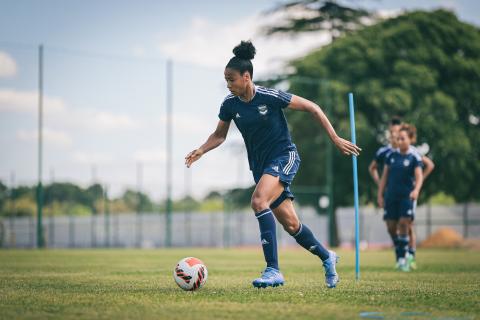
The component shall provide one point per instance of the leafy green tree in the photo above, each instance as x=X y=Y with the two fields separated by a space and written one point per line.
x=186 y=204
x=337 y=20
x=94 y=194
x=239 y=198
x=137 y=201
x=422 y=66
x=315 y=15
x=23 y=191
x=213 y=195
x=65 y=192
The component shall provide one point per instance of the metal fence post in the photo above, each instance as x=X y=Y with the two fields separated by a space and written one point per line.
x=465 y=220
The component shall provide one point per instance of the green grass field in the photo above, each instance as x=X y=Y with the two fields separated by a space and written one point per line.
x=138 y=284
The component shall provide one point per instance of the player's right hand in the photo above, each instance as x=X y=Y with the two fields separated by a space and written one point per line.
x=346 y=147
x=380 y=201
x=193 y=156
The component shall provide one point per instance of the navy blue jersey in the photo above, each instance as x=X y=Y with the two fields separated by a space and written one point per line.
x=401 y=173
x=381 y=155
x=262 y=124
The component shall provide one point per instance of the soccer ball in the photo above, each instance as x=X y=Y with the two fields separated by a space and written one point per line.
x=190 y=274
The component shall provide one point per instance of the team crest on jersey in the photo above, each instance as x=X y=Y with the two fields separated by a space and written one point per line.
x=262 y=109
x=406 y=162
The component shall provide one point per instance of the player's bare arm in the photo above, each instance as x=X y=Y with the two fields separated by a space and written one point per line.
x=381 y=187
x=213 y=141
x=302 y=104
x=373 y=170
x=429 y=166
x=418 y=184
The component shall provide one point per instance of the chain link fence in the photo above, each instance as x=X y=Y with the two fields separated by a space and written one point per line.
x=222 y=229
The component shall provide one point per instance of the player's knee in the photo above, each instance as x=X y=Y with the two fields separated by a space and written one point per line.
x=392 y=231
x=403 y=227
x=258 y=203
x=291 y=226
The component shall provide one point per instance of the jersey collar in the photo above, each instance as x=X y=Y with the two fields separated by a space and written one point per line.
x=254 y=94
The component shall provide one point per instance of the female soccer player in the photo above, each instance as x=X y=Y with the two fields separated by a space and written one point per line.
x=378 y=162
x=273 y=159
x=402 y=177
x=377 y=165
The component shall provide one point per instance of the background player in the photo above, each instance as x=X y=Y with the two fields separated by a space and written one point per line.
x=399 y=189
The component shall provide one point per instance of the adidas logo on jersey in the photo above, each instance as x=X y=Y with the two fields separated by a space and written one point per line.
x=275 y=168
x=265 y=241
x=237 y=116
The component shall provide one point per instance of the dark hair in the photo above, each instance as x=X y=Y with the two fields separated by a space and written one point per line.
x=411 y=131
x=395 y=121
x=244 y=52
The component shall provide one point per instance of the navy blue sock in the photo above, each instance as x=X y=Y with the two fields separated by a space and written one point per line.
x=268 y=236
x=396 y=246
x=402 y=245
x=306 y=239
x=411 y=250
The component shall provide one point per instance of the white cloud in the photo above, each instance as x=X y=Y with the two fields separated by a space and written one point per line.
x=8 y=66
x=91 y=120
x=210 y=44
x=450 y=4
x=149 y=155
x=92 y=158
x=59 y=114
x=106 y=120
x=139 y=51
x=27 y=102
x=50 y=136
x=389 y=13
x=189 y=124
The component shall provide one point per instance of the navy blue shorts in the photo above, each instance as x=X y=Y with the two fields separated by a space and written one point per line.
x=284 y=166
x=399 y=208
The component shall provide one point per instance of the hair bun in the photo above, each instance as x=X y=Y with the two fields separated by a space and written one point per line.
x=245 y=50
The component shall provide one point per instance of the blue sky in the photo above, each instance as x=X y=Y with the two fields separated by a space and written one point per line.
x=105 y=85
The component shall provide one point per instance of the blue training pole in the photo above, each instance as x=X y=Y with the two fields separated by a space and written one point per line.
x=355 y=188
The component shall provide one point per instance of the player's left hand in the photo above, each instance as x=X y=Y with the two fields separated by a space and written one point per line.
x=414 y=195
x=346 y=147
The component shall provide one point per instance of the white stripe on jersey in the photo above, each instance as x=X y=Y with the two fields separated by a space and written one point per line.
x=268 y=93
x=415 y=152
x=382 y=150
x=276 y=96
x=274 y=93
x=230 y=96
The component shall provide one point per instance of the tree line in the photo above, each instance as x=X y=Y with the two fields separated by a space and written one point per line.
x=65 y=198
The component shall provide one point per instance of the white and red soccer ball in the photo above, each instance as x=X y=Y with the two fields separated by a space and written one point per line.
x=190 y=274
